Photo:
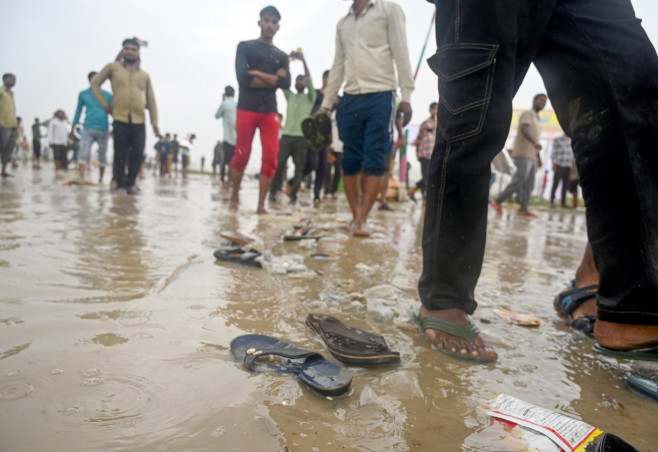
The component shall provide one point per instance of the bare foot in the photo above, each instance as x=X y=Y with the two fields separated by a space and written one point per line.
x=261 y=210
x=454 y=344
x=359 y=229
x=233 y=205
x=620 y=336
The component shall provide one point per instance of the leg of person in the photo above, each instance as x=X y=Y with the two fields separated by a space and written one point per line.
x=36 y=153
x=136 y=153
x=84 y=155
x=565 y=171
x=7 y=138
x=482 y=63
x=556 y=182
x=527 y=189
x=350 y=125
x=285 y=150
x=523 y=167
x=121 y=145
x=320 y=172
x=269 y=139
x=102 y=138
x=227 y=155
x=378 y=110
x=338 y=172
x=299 y=154
x=245 y=129
x=611 y=112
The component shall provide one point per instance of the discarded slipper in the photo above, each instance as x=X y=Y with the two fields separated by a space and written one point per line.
x=305 y=233
x=566 y=302
x=240 y=256
x=322 y=376
x=351 y=345
x=323 y=124
x=640 y=354
x=468 y=332
x=310 y=132
x=644 y=386
x=236 y=237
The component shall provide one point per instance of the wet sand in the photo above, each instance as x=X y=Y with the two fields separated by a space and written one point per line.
x=116 y=320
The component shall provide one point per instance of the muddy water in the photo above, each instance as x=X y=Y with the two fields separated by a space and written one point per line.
x=115 y=323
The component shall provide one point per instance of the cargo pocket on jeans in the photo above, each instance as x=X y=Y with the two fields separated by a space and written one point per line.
x=465 y=80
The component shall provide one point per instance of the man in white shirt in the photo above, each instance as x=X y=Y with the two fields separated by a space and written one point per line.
x=58 y=138
x=371 y=44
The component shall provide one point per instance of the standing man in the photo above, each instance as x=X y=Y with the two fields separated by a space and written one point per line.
x=261 y=68
x=371 y=44
x=424 y=145
x=605 y=97
x=228 y=112
x=36 y=144
x=292 y=143
x=526 y=158
x=96 y=129
x=8 y=123
x=175 y=150
x=133 y=93
x=562 y=158
x=58 y=139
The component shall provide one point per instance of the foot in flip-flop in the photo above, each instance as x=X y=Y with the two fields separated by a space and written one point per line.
x=240 y=256
x=570 y=299
x=626 y=341
x=461 y=341
x=351 y=345
x=322 y=376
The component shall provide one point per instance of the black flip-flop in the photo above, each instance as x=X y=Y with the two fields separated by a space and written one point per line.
x=306 y=233
x=310 y=132
x=322 y=376
x=238 y=255
x=640 y=354
x=323 y=125
x=613 y=443
x=352 y=345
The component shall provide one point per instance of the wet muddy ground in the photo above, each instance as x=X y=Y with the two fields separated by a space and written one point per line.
x=115 y=322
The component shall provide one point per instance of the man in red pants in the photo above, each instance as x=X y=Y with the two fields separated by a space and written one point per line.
x=261 y=68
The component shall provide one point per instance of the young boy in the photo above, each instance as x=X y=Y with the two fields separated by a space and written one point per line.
x=261 y=68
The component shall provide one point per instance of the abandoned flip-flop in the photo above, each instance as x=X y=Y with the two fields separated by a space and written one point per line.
x=567 y=301
x=351 y=345
x=640 y=354
x=323 y=125
x=240 y=256
x=237 y=237
x=468 y=332
x=324 y=377
x=305 y=233
x=613 y=443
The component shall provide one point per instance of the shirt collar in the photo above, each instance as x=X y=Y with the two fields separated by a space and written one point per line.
x=370 y=4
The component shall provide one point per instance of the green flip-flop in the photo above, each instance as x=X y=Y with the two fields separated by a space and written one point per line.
x=640 y=354
x=468 y=332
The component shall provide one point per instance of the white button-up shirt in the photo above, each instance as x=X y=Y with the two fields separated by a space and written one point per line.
x=367 y=47
x=58 y=132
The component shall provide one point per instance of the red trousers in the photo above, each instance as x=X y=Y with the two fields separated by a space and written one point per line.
x=246 y=124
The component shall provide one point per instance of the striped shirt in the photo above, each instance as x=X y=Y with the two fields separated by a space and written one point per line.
x=425 y=138
x=562 y=154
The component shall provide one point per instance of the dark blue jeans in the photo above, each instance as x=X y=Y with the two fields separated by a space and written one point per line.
x=600 y=70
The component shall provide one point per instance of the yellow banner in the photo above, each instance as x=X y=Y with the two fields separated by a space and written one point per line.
x=549 y=123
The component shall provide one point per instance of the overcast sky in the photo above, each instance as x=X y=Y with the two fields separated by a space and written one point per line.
x=52 y=45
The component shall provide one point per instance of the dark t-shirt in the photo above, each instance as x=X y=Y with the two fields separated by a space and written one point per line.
x=262 y=57
x=319 y=97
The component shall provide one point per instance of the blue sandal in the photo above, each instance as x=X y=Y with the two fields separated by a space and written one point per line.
x=569 y=299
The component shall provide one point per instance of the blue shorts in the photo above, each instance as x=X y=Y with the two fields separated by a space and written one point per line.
x=365 y=124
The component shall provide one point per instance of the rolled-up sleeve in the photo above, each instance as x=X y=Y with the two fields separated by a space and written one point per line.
x=336 y=74
x=397 y=38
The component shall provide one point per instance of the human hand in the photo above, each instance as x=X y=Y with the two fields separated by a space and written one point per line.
x=404 y=111
x=108 y=109
x=156 y=131
x=281 y=72
x=538 y=146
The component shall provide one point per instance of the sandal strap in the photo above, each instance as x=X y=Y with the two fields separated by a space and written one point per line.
x=280 y=348
x=573 y=297
x=468 y=331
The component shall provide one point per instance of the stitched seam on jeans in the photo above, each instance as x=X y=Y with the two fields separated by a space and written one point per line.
x=435 y=245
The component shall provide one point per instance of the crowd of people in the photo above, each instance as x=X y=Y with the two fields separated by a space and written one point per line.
x=607 y=103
